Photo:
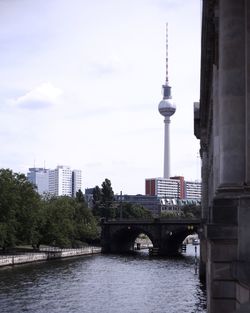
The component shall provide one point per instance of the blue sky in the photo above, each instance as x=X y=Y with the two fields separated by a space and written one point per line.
x=81 y=82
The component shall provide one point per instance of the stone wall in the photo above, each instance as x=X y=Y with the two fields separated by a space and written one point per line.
x=47 y=254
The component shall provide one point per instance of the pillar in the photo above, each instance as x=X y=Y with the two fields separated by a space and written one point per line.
x=233 y=104
x=227 y=233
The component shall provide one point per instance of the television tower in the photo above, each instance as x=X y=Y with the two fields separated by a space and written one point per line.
x=166 y=108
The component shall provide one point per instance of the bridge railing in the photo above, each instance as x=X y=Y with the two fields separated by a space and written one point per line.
x=152 y=219
x=57 y=249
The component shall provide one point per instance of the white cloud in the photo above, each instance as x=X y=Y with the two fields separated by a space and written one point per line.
x=41 y=97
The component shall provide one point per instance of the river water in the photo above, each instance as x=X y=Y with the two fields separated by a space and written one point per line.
x=104 y=284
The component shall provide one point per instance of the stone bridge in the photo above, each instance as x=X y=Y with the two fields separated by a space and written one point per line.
x=167 y=235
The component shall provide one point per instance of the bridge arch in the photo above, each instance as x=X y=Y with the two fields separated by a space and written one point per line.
x=124 y=238
x=171 y=242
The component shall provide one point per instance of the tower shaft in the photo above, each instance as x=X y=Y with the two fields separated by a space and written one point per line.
x=166 y=173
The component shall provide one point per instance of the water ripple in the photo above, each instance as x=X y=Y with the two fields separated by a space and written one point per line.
x=109 y=284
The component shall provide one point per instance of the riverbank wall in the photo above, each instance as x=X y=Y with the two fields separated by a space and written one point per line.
x=45 y=254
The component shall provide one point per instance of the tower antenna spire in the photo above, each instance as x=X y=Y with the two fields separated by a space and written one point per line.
x=167 y=53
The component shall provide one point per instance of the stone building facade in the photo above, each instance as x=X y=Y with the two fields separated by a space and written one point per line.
x=222 y=123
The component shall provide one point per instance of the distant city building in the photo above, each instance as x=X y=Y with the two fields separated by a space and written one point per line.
x=193 y=190
x=59 y=181
x=163 y=187
x=152 y=203
x=173 y=188
x=155 y=204
x=89 y=196
x=176 y=204
x=76 y=181
x=40 y=178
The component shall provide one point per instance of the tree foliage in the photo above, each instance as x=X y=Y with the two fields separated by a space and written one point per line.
x=80 y=196
x=191 y=211
x=104 y=205
x=19 y=210
x=129 y=210
x=58 y=226
x=103 y=200
x=67 y=222
x=26 y=218
x=97 y=201
x=107 y=199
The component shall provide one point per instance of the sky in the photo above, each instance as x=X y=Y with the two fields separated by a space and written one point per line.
x=80 y=84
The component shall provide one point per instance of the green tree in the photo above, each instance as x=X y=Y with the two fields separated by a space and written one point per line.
x=26 y=218
x=130 y=210
x=107 y=199
x=19 y=210
x=191 y=211
x=80 y=196
x=58 y=228
x=68 y=222
x=103 y=200
x=29 y=214
x=8 y=208
x=85 y=225
x=97 y=201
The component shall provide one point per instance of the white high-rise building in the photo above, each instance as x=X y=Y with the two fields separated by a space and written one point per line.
x=40 y=178
x=58 y=182
x=163 y=187
x=193 y=190
x=175 y=187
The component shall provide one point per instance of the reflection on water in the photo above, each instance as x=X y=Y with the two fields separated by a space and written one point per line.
x=104 y=283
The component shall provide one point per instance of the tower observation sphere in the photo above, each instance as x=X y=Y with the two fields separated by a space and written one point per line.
x=167 y=107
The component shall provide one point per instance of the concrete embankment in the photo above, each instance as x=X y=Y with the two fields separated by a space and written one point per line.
x=44 y=255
